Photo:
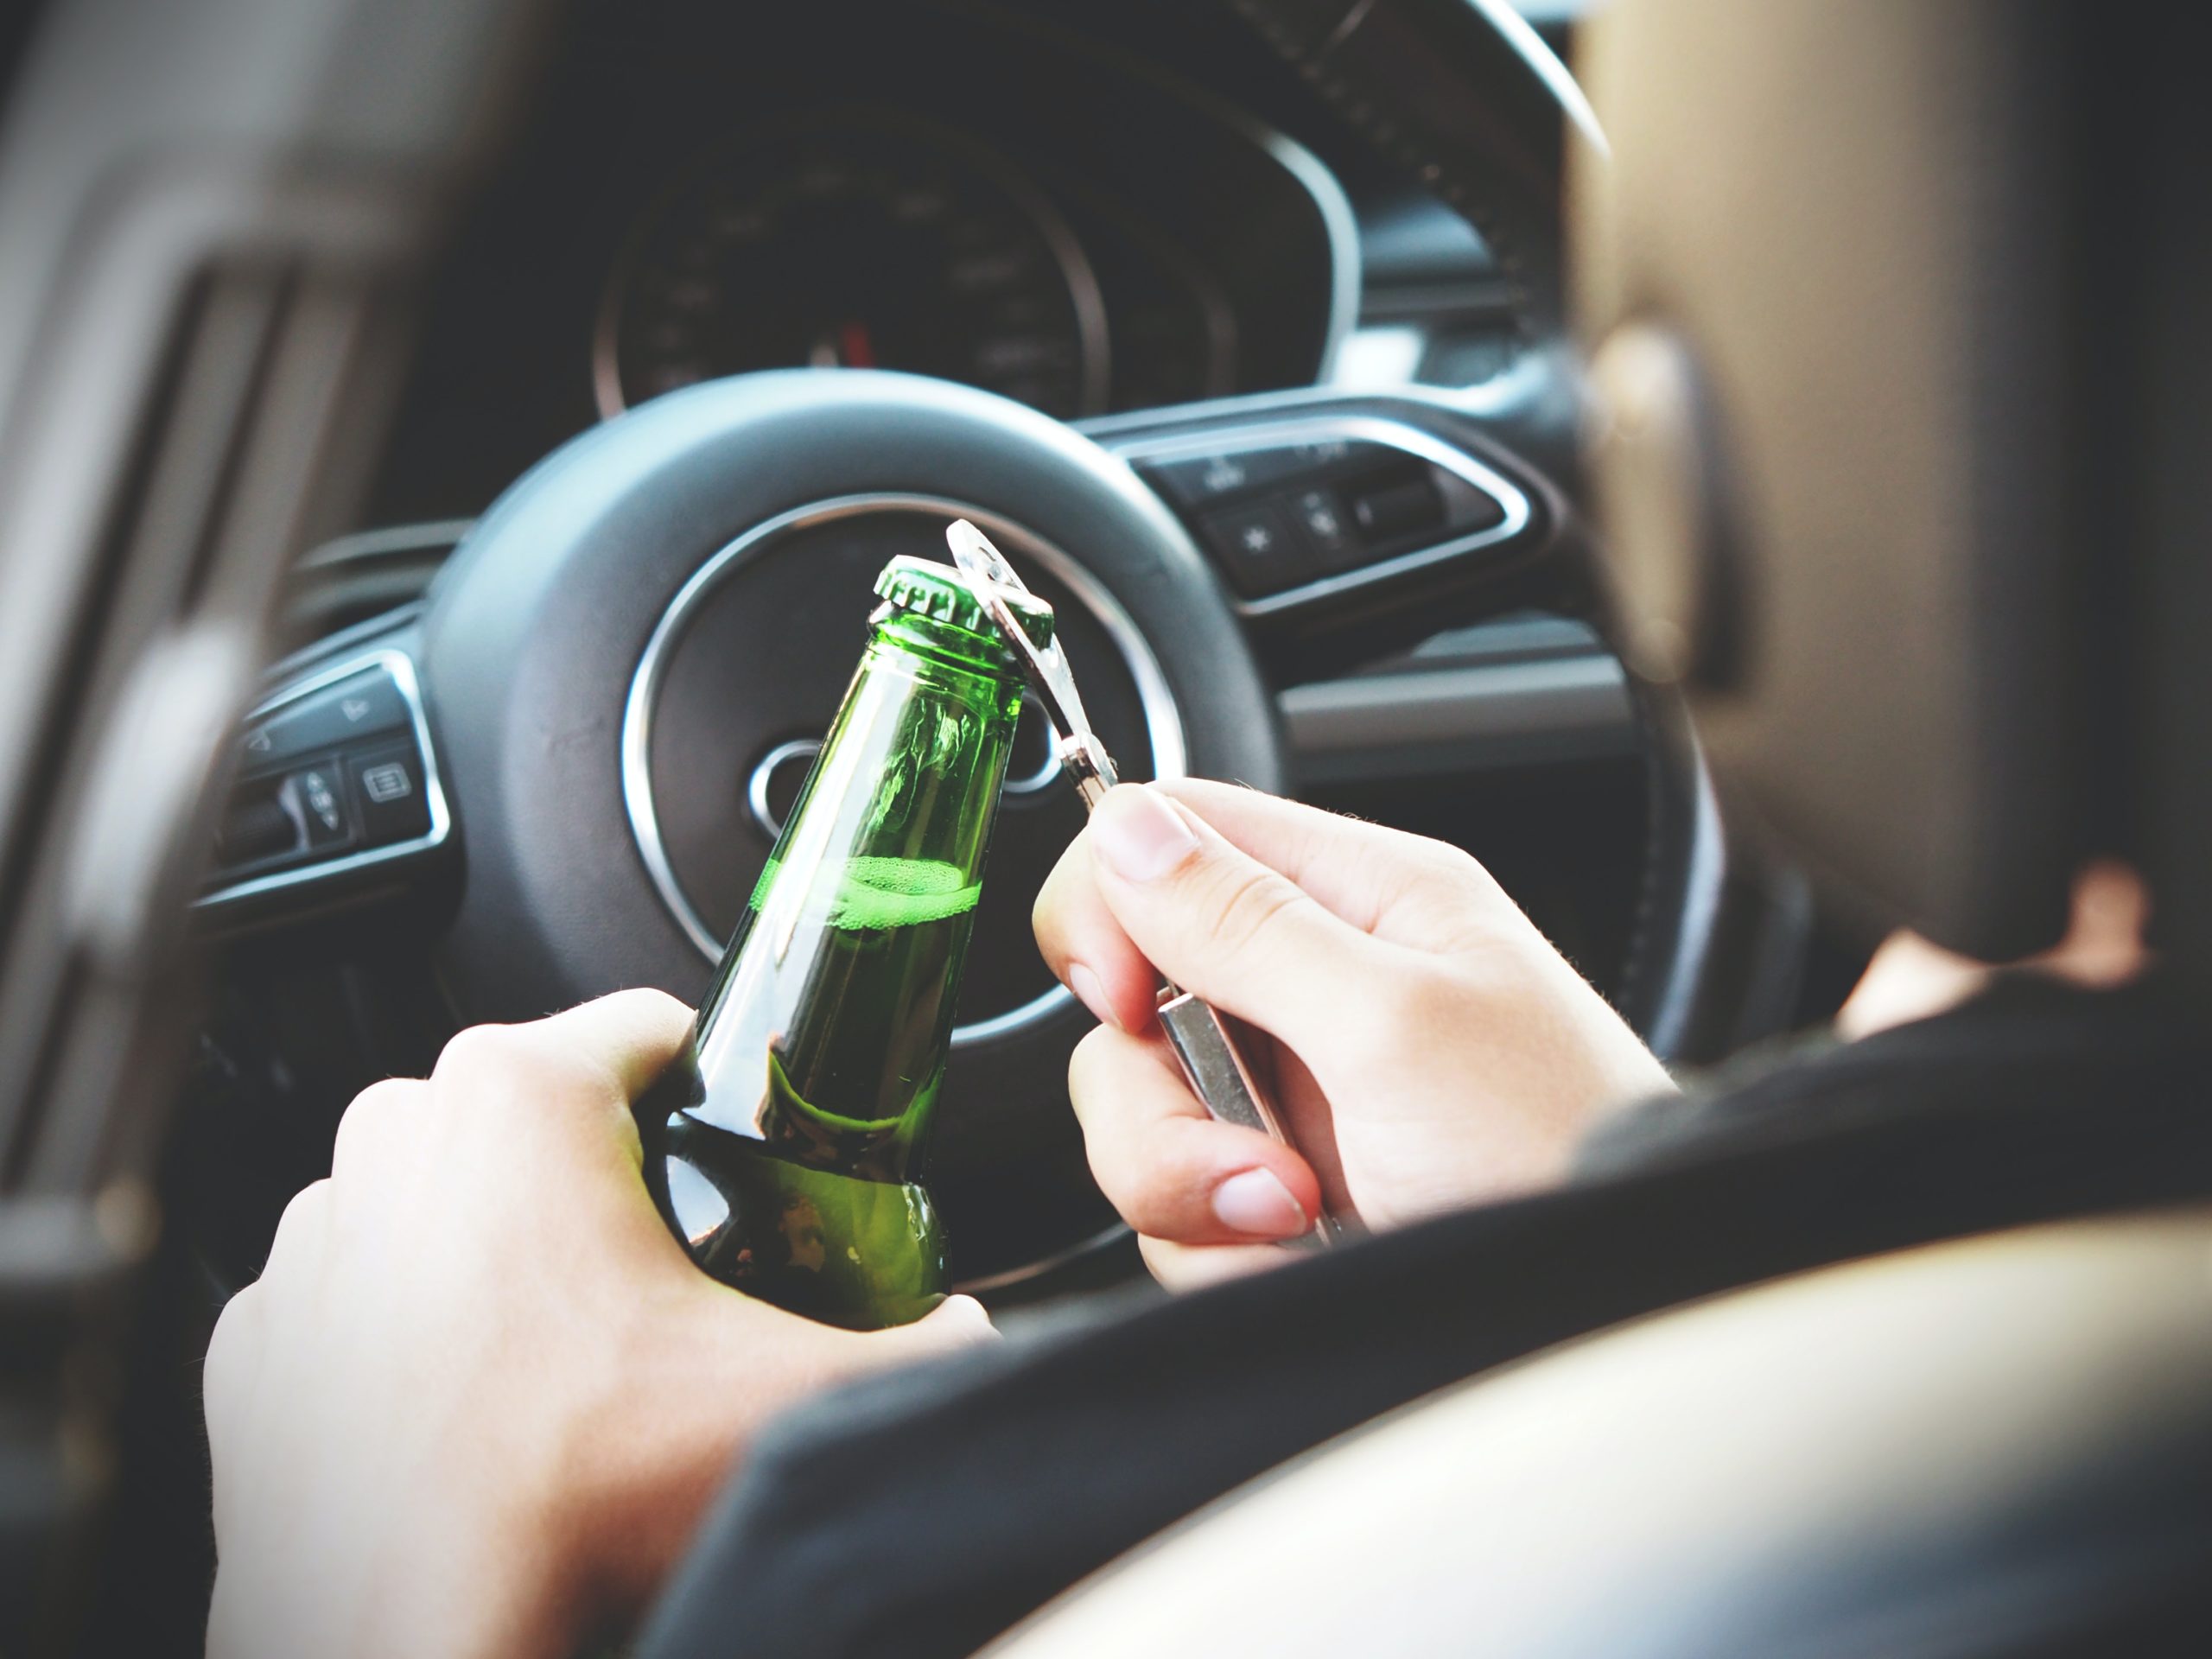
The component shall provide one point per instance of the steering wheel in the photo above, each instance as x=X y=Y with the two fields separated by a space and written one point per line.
x=589 y=730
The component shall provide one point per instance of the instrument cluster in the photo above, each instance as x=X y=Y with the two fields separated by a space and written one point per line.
x=716 y=190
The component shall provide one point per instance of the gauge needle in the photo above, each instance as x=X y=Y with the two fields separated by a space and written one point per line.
x=850 y=347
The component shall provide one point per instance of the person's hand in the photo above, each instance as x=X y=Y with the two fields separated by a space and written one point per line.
x=479 y=1396
x=1913 y=978
x=1428 y=1048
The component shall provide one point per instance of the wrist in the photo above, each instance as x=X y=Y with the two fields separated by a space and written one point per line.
x=651 y=1438
x=452 y=1579
x=507 y=1564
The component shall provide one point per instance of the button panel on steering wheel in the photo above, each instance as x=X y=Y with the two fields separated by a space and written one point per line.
x=336 y=777
x=1299 y=510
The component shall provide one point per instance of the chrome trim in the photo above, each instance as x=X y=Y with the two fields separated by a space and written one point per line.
x=1338 y=223
x=401 y=667
x=756 y=786
x=1544 y=63
x=1075 y=1252
x=1163 y=721
x=1703 y=882
x=1360 y=367
x=1485 y=397
x=1372 y=429
x=380 y=626
x=1028 y=198
x=426 y=537
x=1048 y=771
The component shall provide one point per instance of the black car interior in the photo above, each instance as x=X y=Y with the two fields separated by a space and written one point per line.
x=444 y=450
x=1370 y=589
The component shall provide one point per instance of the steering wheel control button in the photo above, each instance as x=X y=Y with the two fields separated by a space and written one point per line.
x=1321 y=519
x=1399 y=511
x=318 y=793
x=1203 y=481
x=366 y=704
x=1327 y=452
x=256 y=827
x=1366 y=497
x=386 y=782
x=387 y=785
x=335 y=778
x=1258 y=548
x=1468 y=509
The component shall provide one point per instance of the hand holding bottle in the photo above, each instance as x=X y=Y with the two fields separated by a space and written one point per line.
x=479 y=1394
x=1428 y=1047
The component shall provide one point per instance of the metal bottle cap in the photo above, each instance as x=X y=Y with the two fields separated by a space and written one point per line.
x=939 y=591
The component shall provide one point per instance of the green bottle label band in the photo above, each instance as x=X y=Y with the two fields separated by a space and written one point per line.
x=787 y=1099
x=861 y=1254
x=873 y=894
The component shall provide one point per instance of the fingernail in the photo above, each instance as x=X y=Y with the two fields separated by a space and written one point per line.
x=1138 y=835
x=1255 y=1203
x=1092 y=993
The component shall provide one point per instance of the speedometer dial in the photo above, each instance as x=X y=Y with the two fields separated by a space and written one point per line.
x=859 y=245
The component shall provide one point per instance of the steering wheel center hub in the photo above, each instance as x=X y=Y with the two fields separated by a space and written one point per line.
x=758 y=645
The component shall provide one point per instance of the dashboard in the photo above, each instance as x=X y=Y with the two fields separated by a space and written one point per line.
x=858 y=239
x=983 y=195
x=1093 y=208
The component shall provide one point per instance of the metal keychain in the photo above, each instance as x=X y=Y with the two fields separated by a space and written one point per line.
x=1211 y=1062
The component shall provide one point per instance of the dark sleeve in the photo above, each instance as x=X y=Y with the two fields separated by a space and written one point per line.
x=1813 y=1086
x=923 y=1514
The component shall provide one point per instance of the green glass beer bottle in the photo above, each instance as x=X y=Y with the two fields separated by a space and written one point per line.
x=785 y=1145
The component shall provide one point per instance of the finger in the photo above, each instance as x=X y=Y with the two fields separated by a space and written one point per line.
x=781 y=1355
x=301 y=1233
x=956 y=1323
x=613 y=1047
x=631 y=1035
x=1218 y=922
x=233 y=1361
x=1419 y=892
x=381 y=1116
x=1412 y=890
x=1193 y=1267
x=1172 y=1172
x=1085 y=947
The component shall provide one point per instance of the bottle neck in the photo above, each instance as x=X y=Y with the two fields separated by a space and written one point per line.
x=826 y=1032
x=947 y=644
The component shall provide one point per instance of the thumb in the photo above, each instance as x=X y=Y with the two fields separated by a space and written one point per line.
x=1218 y=922
x=958 y=1322
x=782 y=1356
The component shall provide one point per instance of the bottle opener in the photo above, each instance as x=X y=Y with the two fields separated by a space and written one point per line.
x=1211 y=1062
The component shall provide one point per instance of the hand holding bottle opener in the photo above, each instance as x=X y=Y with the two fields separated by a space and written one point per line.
x=1211 y=1062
